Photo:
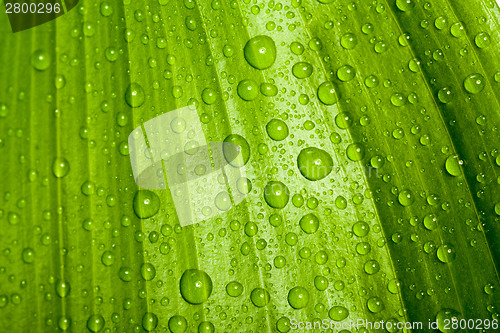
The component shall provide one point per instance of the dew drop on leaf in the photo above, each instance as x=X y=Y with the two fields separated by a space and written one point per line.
x=482 y=40
x=298 y=297
x=375 y=304
x=276 y=194
x=195 y=286
x=338 y=313
x=302 y=70
x=146 y=204
x=277 y=129
x=234 y=289
x=309 y=223
x=444 y=319
x=355 y=152
x=60 y=167
x=452 y=165
x=95 y=323
x=327 y=93
x=314 y=163
x=445 y=95
x=260 y=52
x=149 y=321
x=260 y=297
x=349 y=41
x=239 y=145
x=134 y=95
x=148 y=271
x=40 y=60
x=248 y=90
x=177 y=324
x=446 y=253
x=406 y=198
x=346 y=73
x=474 y=83
x=405 y=5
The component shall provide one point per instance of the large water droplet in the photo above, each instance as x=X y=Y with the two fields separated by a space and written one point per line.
x=149 y=321
x=60 y=167
x=134 y=95
x=260 y=52
x=260 y=297
x=302 y=70
x=95 y=323
x=277 y=129
x=314 y=163
x=298 y=297
x=445 y=318
x=309 y=223
x=195 y=286
x=40 y=60
x=238 y=146
x=452 y=165
x=276 y=194
x=248 y=90
x=146 y=203
x=327 y=93
x=474 y=83
x=446 y=253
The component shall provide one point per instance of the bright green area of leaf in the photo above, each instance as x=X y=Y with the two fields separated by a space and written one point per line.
x=404 y=101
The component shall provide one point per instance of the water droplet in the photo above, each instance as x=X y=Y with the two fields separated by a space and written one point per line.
x=405 y=198
x=209 y=96
x=277 y=129
x=260 y=52
x=430 y=222
x=248 y=90
x=349 y=41
x=375 y=304
x=238 y=146
x=234 y=289
x=195 y=286
x=148 y=271
x=146 y=204
x=405 y=5
x=482 y=40
x=28 y=255
x=327 y=93
x=457 y=30
x=355 y=152
x=372 y=267
x=474 y=83
x=149 y=321
x=346 y=73
x=40 y=60
x=177 y=324
x=260 y=297
x=321 y=283
x=361 y=228
x=108 y=258
x=444 y=319
x=276 y=194
x=446 y=253
x=223 y=201
x=445 y=95
x=398 y=99
x=298 y=297
x=314 y=163
x=338 y=313
x=309 y=223
x=95 y=323
x=134 y=95
x=60 y=167
x=302 y=70
x=297 y=48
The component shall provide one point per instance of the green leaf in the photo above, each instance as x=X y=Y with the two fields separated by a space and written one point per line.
x=368 y=134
